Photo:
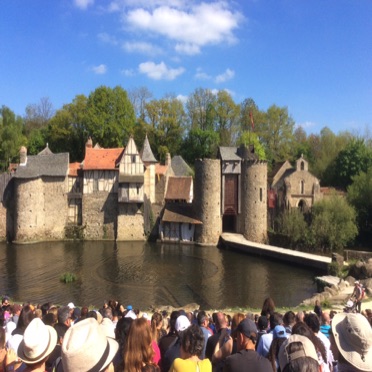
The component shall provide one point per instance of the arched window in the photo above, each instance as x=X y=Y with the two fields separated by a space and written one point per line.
x=302 y=186
x=302 y=165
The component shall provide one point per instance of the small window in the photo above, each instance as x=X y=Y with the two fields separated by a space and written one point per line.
x=302 y=165
x=302 y=187
x=261 y=194
x=138 y=188
x=133 y=158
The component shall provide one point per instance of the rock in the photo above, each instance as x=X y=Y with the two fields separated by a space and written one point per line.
x=338 y=259
x=350 y=280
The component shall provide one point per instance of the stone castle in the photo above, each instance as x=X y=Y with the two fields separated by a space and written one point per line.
x=124 y=194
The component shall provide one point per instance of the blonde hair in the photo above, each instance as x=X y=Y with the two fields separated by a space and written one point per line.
x=138 y=347
x=156 y=321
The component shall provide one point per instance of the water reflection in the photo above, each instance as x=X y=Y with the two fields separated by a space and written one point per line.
x=146 y=274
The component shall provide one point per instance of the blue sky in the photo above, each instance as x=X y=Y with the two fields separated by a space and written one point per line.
x=315 y=57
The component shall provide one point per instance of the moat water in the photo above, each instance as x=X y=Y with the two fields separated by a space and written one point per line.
x=145 y=274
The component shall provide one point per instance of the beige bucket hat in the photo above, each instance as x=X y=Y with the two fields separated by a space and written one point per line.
x=353 y=337
x=85 y=347
x=39 y=340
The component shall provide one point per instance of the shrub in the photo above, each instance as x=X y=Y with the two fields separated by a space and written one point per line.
x=67 y=277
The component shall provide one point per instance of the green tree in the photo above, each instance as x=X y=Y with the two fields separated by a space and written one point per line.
x=249 y=138
x=11 y=137
x=67 y=130
x=356 y=157
x=226 y=118
x=292 y=224
x=276 y=133
x=110 y=116
x=200 y=109
x=199 y=144
x=359 y=194
x=166 y=117
x=333 y=223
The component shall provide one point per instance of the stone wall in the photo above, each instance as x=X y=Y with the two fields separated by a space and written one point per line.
x=99 y=215
x=253 y=219
x=207 y=201
x=130 y=222
x=41 y=209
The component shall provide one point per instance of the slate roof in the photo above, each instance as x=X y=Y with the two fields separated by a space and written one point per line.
x=46 y=151
x=146 y=153
x=229 y=153
x=179 y=188
x=102 y=159
x=55 y=165
x=180 y=167
x=181 y=213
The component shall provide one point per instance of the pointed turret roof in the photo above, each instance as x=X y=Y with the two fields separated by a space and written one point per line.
x=146 y=153
x=46 y=151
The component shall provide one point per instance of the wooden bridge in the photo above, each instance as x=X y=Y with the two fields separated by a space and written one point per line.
x=238 y=242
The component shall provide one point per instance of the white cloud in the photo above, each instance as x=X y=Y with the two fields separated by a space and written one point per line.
x=306 y=125
x=100 y=69
x=201 y=75
x=159 y=71
x=128 y=72
x=227 y=75
x=191 y=28
x=106 y=38
x=83 y=4
x=141 y=47
x=182 y=98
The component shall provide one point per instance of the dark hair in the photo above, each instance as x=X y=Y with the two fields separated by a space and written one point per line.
x=202 y=316
x=262 y=322
x=172 y=322
x=301 y=328
x=49 y=319
x=92 y=314
x=25 y=317
x=268 y=307
x=303 y=364
x=107 y=313
x=275 y=319
x=274 y=351
x=2 y=338
x=289 y=317
x=63 y=314
x=312 y=320
x=44 y=308
x=193 y=340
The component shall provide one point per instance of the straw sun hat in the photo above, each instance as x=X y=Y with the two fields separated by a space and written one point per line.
x=85 y=347
x=38 y=342
x=353 y=337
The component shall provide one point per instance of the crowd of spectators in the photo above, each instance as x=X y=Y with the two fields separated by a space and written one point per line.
x=122 y=338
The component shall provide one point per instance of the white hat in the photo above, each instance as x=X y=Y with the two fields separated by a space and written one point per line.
x=182 y=323
x=85 y=347
x=353 y=337
x=131 y=314
x=71 y=305
x=39 y=340
x=108 y=327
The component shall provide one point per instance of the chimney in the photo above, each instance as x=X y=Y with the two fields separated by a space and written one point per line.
x=23 y=156
x=89 y=143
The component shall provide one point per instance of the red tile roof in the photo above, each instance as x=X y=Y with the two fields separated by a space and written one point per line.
x=103 y=159
x=73 y=169
x=161 y=169
x=179 y=188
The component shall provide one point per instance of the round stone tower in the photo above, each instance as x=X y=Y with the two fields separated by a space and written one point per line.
x=254 y=200
x=207 y=201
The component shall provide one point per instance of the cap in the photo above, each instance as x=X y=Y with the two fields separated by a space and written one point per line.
x=182 y=323
x=247 y=327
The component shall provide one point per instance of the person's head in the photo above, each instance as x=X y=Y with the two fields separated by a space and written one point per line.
x=138 y=347
x=64 y=316
x=48 y=319
x=192 y=342
x=351 y=340
x=107 y=312
x=221 y=321
x=246 y=334
x=156 y=323
x=39 y=340
x=236 y=319
x=262 y=323
x=122 y=330
x=325 y=318
x=182 y=323
x=300 y=316
x=289 y=318
x=86 y=348
x=25 y=317
x=313 y=322
x=275 y=319
x=172 y=321
x=45 y=307
x=84 y=312
x=279 y=332
x=268 y=307
x=5 y=301
x=203 y=319
x=298 y=354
